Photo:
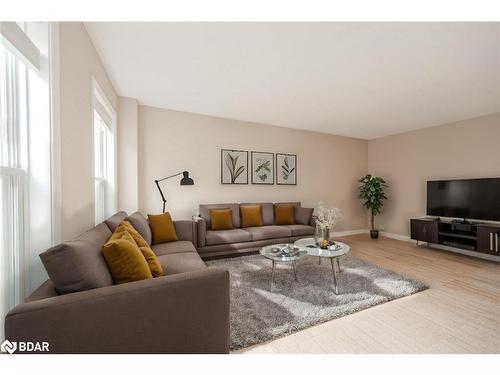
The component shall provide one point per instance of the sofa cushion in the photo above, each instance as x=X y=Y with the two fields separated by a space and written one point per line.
x=269 y=231
x=163 y=228
x=125 y=259
x=284 y=215
x=303 y=215
x=181 y=262
x=221 y=219
x=174 y=247
x=186 y=230
x=141 y=224
x=267 y=212
x=251 y=216
x=115 y=220
x=301 y=230
x=79 y=264
x=217 y=237
x=235 y=210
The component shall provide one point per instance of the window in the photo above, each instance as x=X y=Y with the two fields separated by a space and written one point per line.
x=101 y=135
x=25 y=186
x=13 y=117
x=104 y=157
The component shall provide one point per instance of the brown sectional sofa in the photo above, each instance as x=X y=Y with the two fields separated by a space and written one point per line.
x=80 y=310
x=213 y=243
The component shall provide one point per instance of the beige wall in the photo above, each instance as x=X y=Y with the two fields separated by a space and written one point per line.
x=78 y=63
x=169 y=141
x=128 y=189
x=464 y=149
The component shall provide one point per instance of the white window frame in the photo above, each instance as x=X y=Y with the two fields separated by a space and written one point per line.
x=55 y=128
x=103 y=107
x=27 y=204
x=16 y=206
x=16 y=266
x=21 y=45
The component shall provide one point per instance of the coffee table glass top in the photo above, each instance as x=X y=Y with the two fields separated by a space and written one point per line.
x=309 y=245
x=283 y=252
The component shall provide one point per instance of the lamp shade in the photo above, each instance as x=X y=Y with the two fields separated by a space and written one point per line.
x=186 y=180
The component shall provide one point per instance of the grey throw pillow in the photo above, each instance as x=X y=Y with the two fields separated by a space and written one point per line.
x=115 y=220
x=141 y=224
x=77 y=265
x=303 y=215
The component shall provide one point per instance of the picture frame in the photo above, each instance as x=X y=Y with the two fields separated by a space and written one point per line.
x=286 y=169
x=234 y=167
x=263 y=170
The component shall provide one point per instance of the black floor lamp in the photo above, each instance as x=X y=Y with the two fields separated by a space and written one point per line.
x=185 y=180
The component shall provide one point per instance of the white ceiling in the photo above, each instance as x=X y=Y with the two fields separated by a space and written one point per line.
x=363 y=80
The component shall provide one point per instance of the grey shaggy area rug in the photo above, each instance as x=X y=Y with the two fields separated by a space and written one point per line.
x=259 y=315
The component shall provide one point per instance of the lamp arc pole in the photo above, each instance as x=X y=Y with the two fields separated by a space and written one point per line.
x=185 y=180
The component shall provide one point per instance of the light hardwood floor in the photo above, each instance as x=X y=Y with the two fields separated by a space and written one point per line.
x=459 y=313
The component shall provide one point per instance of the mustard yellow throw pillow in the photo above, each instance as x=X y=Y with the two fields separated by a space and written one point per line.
x=251 y=216
x=221 y=218
x=125 y=260
x=153 y=262
x=163 y=228
x=284 y=215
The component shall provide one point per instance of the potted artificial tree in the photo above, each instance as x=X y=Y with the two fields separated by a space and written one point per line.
x=371 y=191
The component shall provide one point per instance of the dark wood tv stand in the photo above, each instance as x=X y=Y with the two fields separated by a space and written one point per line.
x=472 y=236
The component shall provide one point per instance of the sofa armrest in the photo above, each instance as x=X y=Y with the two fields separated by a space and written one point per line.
x=182 y=313
x=201 y=232
x=186 y=230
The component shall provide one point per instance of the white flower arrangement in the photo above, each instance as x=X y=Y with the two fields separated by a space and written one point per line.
x=327 y=218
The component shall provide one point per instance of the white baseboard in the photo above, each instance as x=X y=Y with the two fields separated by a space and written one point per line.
x=395 y=236
x=366 y=231
x=349 y=232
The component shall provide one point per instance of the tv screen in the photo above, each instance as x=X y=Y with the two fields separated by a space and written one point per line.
x=468 y=199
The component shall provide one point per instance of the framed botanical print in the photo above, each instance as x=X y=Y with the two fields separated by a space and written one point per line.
x=286 y=169
x=262 y=168
x=234 y=167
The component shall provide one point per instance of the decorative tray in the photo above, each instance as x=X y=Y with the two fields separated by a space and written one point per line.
x=284 y=251
x=330 y=246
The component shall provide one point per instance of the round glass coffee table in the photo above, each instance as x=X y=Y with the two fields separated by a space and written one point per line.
x=283 y=253
x=335 y=251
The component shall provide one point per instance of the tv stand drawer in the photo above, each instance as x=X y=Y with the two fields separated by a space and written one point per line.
x=488 y=239
x=424 y=230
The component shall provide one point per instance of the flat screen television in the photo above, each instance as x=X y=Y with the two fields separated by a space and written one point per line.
x=477 y=198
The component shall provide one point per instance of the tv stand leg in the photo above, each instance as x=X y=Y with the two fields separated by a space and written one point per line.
x=416 y=244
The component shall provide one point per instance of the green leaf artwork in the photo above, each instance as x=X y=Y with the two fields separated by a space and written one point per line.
x=263 y=168
x=287 y=170
x=232 y=165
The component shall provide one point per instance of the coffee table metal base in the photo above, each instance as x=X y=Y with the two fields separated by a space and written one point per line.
x=338 y=262
x=335 y=285
x=294 y=266
x=335 y=282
